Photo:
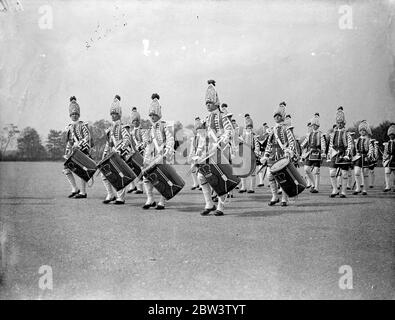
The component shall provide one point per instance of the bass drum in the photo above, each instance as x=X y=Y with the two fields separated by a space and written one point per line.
x=244 y=163
x=288 y=177
x=219 y=177
x=136 y=163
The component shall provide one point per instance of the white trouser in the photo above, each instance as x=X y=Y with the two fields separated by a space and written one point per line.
x=206 y=189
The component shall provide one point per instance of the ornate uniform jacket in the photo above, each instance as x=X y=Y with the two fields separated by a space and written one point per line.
x=281 y=133
x=315 y=142
x=364 y=146
x=137 y=139
x=389 y=153
x=118 y=138
x=78 y=134
x=159 y=141
x=217 y=127
x=340 y=140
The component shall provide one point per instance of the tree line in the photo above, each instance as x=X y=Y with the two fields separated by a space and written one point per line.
x=31 y=148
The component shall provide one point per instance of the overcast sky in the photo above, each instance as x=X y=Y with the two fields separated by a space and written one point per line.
x=259 y=52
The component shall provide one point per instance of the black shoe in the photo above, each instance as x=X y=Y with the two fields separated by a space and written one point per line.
x=218 y=213
x=371 y=187
x=71 y=195
x=283 y=204
x=242 y=191
x=130 y=191
x=147 y=206
x=348 y=188
x=355 y=192
x=193 y=188
x=138 y=192
x=272 y=203
x=308 y=187
x=118 y=202
x=261 y=185
x=343 y=195
x=313 y=190
x=159 y=207
x=332 y=195
x=386 y=190
x=80 y=196
x=250 y=191
x=228 y=196
x=200 y=188
x=107 y=201
x=207 y=211
x=364 y=193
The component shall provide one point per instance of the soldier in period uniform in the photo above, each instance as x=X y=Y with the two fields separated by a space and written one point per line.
x=363 y=157
x=315 y=144
x=339 y=154
x=389 y=157
x=118 y=139
x=280 y=144
x=78 y=136
x=160 y=143
x=138 y=145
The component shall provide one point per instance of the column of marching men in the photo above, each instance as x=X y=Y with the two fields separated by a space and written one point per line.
x=215 y=145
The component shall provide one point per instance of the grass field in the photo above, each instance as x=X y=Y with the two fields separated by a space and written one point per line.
x=253 y=252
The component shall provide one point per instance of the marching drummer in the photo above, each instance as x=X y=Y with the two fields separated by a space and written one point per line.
x=78 y=136
x=138 y=145
x=361 y=160
x=198 y=126
x=118 y=139
x=262 y=142
x=389 y=157
x=160 y=144
x=249 y=138
x=315 y=145
x=280 y=144
x=339 y=154
x=373 y=162
x=221 y=127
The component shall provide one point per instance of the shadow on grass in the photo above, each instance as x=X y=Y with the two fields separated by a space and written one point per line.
x=270 y=213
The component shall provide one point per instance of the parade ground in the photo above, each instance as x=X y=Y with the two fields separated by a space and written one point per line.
x=316 y=248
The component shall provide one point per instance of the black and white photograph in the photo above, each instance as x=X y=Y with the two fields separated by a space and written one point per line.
x=203 y=150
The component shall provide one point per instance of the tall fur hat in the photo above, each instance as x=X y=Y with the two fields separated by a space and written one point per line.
x=155 y=107
x=391 y=129
x=135 y=116
x=211 y=93
x=340 y=117
x=74 y=107
x=315 y=120
x=116 y=105
x=363 y=125
x=248 y=121
x=280 y=110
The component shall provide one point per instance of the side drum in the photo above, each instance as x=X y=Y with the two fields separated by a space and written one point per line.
x=220 y=177
x=117 y=172
x=288 y=177
x=79 y=163
x=166 y=180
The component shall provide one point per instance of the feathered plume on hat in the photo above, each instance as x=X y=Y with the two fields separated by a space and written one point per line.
x=315 y=120
x=74 y=106
x=116 y=106
x=391 y=129
x=280 y=110
x=363 y=125
x=211 y=93
x=155 y=107
x=248 y=121
x=340 y=117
